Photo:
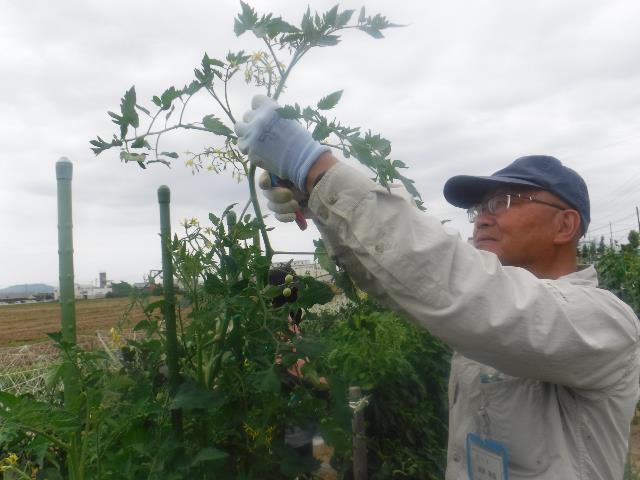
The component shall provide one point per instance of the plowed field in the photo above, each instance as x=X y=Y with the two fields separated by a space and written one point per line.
x=28 y=323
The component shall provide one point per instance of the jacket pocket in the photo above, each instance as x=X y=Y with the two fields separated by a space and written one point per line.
x=514 y=411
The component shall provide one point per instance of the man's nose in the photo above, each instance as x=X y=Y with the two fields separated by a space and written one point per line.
x=485 y=219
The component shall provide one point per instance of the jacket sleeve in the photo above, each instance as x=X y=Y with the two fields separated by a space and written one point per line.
x=552 y=330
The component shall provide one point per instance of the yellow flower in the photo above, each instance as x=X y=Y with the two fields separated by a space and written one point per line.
x=268 y=436
x=253 y=434
x=12 y=459
x=116 y=337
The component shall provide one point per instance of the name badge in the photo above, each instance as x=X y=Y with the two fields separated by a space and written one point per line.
x=486 y=459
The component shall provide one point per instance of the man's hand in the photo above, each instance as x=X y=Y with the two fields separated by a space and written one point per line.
x=284 y=201
x=281 y=146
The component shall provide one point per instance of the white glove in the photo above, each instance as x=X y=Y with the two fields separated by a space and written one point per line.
x=284 y=201
x=278 y=145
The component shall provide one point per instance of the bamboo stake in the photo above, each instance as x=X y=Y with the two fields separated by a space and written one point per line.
x=164 y=200
x=64 y=174
x=357 y=404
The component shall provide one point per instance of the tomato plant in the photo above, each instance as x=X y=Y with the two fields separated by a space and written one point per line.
x=250 y=378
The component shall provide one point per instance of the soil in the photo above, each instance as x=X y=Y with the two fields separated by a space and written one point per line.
x=634 y=444
x=30 y=323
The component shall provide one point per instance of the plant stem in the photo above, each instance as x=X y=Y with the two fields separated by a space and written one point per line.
x=186 y=126
x=256 y=207
x=228 y=112
x=293 y=253
x=226 y=97
x=275 y=59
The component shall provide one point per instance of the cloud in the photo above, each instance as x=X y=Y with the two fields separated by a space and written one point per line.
x=463 y=87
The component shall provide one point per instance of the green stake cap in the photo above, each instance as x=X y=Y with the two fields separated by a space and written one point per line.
x=64 y=169
x=164 y=194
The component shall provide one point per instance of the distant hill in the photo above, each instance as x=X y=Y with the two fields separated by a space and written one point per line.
x=25 y=290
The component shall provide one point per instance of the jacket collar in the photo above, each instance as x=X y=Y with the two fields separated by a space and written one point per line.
x=586 y=275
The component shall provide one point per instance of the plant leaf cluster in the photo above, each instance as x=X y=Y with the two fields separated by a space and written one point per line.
x=248 y=376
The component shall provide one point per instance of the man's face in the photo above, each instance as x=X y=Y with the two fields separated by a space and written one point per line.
x=521 y=235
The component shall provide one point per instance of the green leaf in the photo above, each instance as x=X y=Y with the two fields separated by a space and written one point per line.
x=344 y=18
x=170 y=154
x=276 y=26
x=294 y=465
x=209 y=455
x=128 y=110
x=132 y=157
x=289 y=112
x=142 y=325
x=362 y=16
x=138 y=142
x=207 y=62
x=100 y=145
x=399 y=164
x=374 y=32
x=192 y=88
x=321 y=131
x=313 y=292
x=331 y=16
x=154 y=305
x=245 y=20
x=409 y=185
x=307 y=347
x=330 y=101
x=191 y=396
x=266 y=380
x=215 y=125
x=168 y=96
x=237 y=59
x=141 y=108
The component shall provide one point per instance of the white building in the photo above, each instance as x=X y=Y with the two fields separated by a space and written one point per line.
x=308 y=267
x=86 y=292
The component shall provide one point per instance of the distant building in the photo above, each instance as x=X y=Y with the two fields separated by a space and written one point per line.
x=308 y=267
x=89 y=292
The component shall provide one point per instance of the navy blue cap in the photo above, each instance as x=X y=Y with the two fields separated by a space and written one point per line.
x=539 y=171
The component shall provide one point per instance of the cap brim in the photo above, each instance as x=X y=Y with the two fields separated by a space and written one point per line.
x=464 y=191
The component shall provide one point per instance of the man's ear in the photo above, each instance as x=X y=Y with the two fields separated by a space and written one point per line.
x=568 y=227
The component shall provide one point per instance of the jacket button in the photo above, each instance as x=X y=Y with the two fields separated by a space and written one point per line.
x=323 y=212
x=379 y=248
x=333 y=199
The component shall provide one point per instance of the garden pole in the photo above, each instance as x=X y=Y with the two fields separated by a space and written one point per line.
x=164 y=200
x=66 y=289
x=64 y=174
x=359 y=438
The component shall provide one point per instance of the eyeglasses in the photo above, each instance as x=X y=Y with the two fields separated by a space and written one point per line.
x=501 y=202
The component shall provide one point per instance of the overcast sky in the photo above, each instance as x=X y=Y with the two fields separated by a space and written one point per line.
x=463 y=88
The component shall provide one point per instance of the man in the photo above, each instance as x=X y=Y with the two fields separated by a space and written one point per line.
x=545 y=378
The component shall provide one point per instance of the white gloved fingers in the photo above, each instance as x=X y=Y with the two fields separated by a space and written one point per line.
x=248 y=116
x=258 y=101
x=279 y=195
x=285 y=217
x=264 y=181
x=241 y=128
x=287 y=207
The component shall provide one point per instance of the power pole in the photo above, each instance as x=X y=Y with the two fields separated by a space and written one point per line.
x=638 y=215
x=610 y=235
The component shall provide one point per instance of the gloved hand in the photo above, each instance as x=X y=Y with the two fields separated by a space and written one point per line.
x=278 y=145
x=284 y=201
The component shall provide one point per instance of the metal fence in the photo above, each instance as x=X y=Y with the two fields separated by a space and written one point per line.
x=24 y=369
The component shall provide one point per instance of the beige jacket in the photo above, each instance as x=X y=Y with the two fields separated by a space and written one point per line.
x=549 y=368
